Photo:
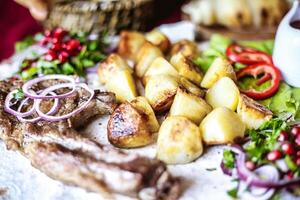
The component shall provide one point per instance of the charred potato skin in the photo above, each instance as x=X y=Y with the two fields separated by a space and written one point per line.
x=191 y=87
x=179 y=141
x=130 y=43
x=160 y=91
x=252 y=113
x=159 y=39
x=145 y=57
x=186 y=47
x=142 y=105
x=127 y=128
x=186 y=68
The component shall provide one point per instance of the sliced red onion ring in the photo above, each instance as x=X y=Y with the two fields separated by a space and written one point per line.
x=55 y=87
x=18 y=113
x=53 y=109
x=27 y=87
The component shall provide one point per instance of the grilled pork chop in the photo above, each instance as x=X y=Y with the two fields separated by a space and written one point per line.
x=58 y=150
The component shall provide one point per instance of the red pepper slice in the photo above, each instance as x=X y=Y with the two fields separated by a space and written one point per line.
x=269 y=72
x=247 y=56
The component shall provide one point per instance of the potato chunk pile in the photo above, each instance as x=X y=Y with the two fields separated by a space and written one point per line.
x=196 y=108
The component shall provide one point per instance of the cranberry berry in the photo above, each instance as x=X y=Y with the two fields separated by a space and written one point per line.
x=283 y=136
x=295 y=131
x=274 y=155
x=287 y=148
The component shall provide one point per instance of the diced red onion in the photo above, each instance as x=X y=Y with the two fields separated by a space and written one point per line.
x=18 y=113
x=74 y=112
x=28 y=92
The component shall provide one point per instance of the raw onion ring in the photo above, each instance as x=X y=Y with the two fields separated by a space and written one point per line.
x=48 y=117
x=27 y=86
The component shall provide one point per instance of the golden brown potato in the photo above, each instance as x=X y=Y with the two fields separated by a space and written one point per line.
x=159 y=39
x=160 y=91
x=117 y=77
x=224 y=93
x=219 y=68
x=110 y=65
x=190 y=106
x=191 y=87
x=186 y=47
x=252 y=113
x=179 y=141
x=142 y=105
x=128 y=128
x=130 y=43
x=145 y=57
x=186 y=68
x=160 y=66
x=222 y=126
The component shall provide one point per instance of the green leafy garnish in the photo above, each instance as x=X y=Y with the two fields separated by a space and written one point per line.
x=23 y=44
x=290 y=163
x=18 y=95
x=264 y=139
x=233 y=192
x=228 y=159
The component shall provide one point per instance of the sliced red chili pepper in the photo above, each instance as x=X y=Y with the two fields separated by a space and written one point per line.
x=247 y=56
x=269 y=72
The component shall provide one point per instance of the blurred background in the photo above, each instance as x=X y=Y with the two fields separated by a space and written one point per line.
x=237 y=19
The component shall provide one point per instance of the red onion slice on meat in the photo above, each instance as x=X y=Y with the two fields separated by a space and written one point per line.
x=53 y=109
x=27 y=86
x=48 y=117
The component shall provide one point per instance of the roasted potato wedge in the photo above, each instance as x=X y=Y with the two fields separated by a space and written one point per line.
x=142 y=105
x=160 y=66
x=145 y=57
x=159 y=39
x=252 y=113
x=160 y=91
x=179 y=141
x=190 y=106
x=191 y=87
x=221 y=126
x=224 y=93
x=130 y=43
x=110 y=65
x=117 y=78
x=128 y=127
x=186 y=47
x=219 y=68
x=186 y=68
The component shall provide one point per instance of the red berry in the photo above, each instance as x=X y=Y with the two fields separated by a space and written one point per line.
x=298 y=154
x=63 y=57
x=297 y=161
x=274 y=155
x=56 y=40
x=297 y=140
x=283 y=136
x=72 y=45
x=287 y=148
x=44 y=41
x=50 y=56
x=295 y=131
x=250 y=165
x=56 y=47
x=59 y=33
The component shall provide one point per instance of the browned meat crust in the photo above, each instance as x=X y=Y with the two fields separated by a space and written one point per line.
x=58 y=150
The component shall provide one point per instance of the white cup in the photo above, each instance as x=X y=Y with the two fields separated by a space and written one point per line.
x=286 y=55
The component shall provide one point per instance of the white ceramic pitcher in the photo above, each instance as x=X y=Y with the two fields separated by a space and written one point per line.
x=286 y=54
